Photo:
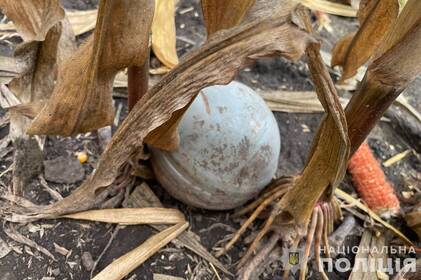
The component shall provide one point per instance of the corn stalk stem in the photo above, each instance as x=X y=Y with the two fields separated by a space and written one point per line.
x=366 y=107
x=138 y=78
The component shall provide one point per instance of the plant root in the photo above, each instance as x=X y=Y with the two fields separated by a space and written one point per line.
x=248 y=270
x=320 y=226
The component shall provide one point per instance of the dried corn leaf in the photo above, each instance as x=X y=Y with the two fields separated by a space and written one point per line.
x=143 y=196
x=82 y=99
x=216 y=62
x=222 y=14
x=351 y=52
x=82 y=21
x=122 y=266
x=294 y=101
x=163 y=33
x=330 y=7
x=370 y=251
x=33 y=19
x=398 y=42
x=327 y=161
x=349 y=199
x=131 y=216
x=12 y=233
x=39 y=63
x=395 y=63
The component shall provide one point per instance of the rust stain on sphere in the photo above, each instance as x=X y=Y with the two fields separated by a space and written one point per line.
x=229 y=149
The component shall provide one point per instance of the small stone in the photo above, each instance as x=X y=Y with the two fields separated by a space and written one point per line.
x=4 y=248
x=65 y=170
x=87 y=261
x=56 y=272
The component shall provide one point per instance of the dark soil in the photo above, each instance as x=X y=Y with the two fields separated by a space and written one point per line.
x=297 y=132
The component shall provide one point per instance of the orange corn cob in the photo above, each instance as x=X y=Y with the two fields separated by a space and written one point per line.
x=371 y=183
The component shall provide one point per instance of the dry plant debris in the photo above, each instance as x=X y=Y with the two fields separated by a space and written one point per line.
x=216 y=62
x=354 y=50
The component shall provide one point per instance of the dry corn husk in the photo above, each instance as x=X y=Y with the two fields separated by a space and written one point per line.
x=82 y=98
x=131 y=216
x=122 y=266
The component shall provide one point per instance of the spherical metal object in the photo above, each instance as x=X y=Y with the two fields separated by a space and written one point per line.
x=228 y=152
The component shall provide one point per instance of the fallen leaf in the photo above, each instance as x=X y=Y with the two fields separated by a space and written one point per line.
x=157 y=276
x=61 y=250
x=330 y=7
x=370 y=250
x=11 y=232
x=163 y=33
x=349 y=199
x=122 y=266
x=33 y=19
x=82 y=99
x=396 y=158
x=222 y=14
x=4 y=249
x=131 y=216
x=143 y=196
x=376 y=17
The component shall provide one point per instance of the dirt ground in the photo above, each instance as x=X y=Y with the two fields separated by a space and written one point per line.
x=297 y=130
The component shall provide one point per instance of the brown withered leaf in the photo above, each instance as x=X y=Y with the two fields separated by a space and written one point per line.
x=395 y=63
x=122 y=266
x=376 y=17
x=327 y=162
x=131 y=216
x=221 y=14
x=39 y=61
x=33 y=19
x=163 y=33
x=82 y=99
x=216 y=62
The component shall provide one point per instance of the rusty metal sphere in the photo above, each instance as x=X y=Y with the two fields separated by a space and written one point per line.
x=228 y=152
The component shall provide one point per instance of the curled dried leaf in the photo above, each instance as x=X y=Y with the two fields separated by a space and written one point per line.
x=376 y=18
x=395 y=63
x=163 y=33
x=82 y=99
x=131 y=216
x=221 y=14
x=330 y=7
x=33 y=19
x=216 y=62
